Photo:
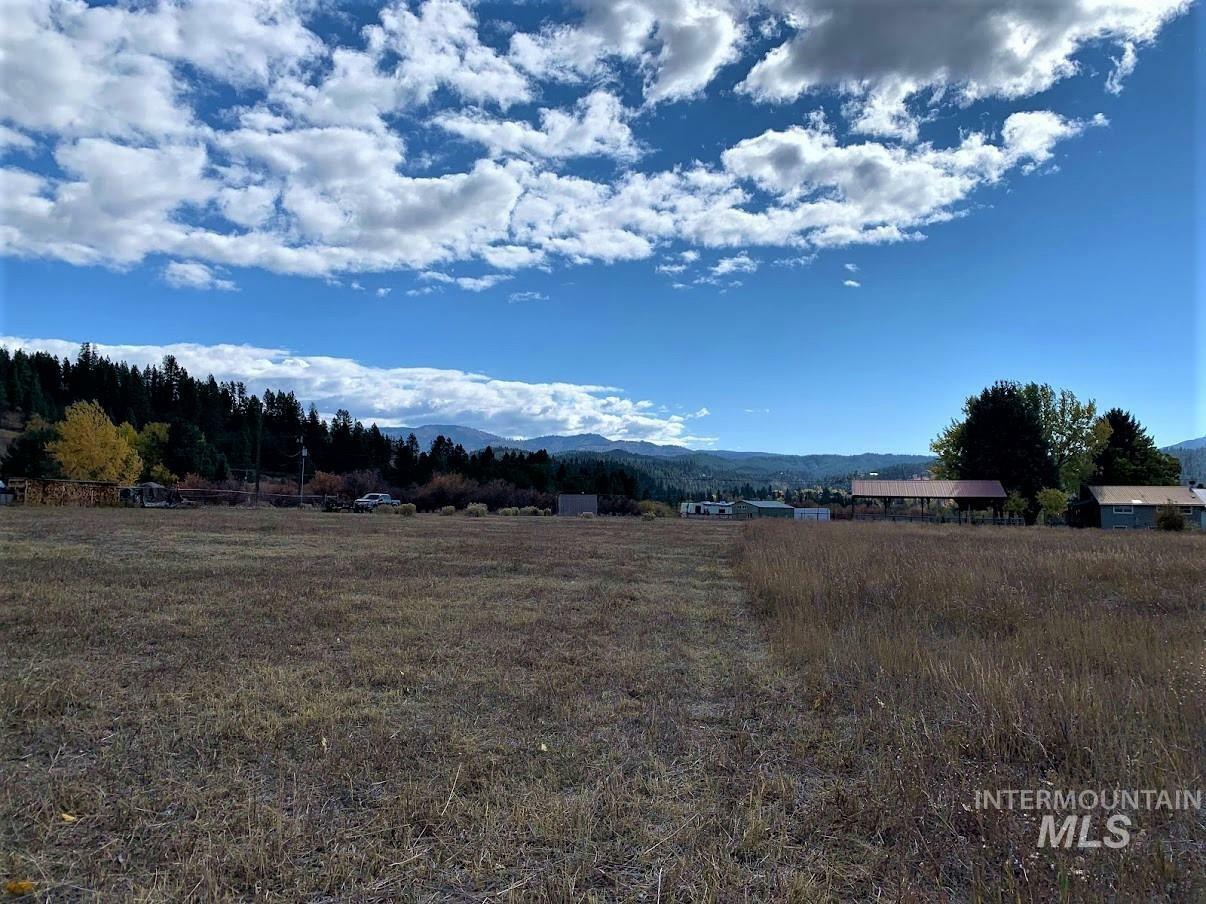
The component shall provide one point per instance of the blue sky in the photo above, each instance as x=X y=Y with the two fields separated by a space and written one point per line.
x=747 y=226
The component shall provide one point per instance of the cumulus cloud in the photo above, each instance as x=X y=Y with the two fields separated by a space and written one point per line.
x=191 y=275
x=595 y=127
x=679 y=45
x=409 y=395
x=225 y=133
x=851 y=283
x=884 y=54
x=468 y=283
x=741 y=263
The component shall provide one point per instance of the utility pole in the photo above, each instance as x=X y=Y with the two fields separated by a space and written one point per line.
x=301 y=475
x=259 y=435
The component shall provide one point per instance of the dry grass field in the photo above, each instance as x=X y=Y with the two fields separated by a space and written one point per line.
x=946 y=660
x=232 y=705
x=240 y=704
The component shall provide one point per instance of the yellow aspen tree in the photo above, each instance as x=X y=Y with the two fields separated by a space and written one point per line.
x=90 y=447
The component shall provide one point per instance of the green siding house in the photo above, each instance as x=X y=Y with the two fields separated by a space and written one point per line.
x=758 y=508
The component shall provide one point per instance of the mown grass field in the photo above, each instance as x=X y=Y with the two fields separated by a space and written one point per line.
x=227 y=705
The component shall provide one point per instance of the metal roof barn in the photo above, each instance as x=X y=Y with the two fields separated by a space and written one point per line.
x=928 y=489
x=1145 y=496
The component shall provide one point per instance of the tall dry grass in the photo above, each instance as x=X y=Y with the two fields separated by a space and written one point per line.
x=945 y=660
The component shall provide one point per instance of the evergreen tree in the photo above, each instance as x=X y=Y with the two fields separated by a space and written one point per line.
x=1130 y=457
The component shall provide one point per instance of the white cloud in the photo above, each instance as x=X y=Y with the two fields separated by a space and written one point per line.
x=527 y=296
x=383 y=291
x=191 y=275
x=596 y=127
x=853 y=268
x=884 y=54
x=408 y=395
x=1123 y=66
x=438 y=46
x=468 y=283
x=310 y=169
x=851 y=283
x=680 y=45
x=741 y=263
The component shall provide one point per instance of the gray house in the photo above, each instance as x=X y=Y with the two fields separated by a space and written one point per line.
x=577 y=504
x=758 y=508
x=1131 y=508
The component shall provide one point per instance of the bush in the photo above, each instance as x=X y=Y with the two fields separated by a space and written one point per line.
x=383 y=510
x=1170 y=518
x=448 y=510
x=324 y=483
x=586 y=515
x=546 y=511
x=1052 y=503
x=510 y=510
x=529 y=510
x=477 y=509
x=648 y=516
x=407 y=509
x=656 y=509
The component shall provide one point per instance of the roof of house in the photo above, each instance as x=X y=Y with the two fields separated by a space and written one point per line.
x=765 y=503
x=1145 y=496
x=929 y=489
x=1201 y=494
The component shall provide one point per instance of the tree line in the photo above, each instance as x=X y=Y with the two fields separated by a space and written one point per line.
x=1045 y=445
x=96 y=419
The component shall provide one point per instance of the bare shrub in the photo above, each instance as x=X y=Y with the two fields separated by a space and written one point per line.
x=324 y=483
x=510 y=510
x=477 y=509
x=448 y=510
x=648 y=516
x=358 y=483
x=656 y=509
x=407 y=509
x=529 y=510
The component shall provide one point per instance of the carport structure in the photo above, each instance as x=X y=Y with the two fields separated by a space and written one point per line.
x=968 y=495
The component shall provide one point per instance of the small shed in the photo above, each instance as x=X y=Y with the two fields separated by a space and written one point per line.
x=746 y=509
x=577 y=504
x=812 y=514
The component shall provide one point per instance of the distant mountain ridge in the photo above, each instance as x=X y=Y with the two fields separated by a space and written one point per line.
x=1199 y=443
x=1192 y=455
x=691 y=468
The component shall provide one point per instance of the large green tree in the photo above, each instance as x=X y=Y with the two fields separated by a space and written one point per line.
x=1074 y=432
x=1001 y=437
x=1130 y=458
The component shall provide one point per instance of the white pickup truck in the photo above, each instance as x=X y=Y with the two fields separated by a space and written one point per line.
x=370 y=501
